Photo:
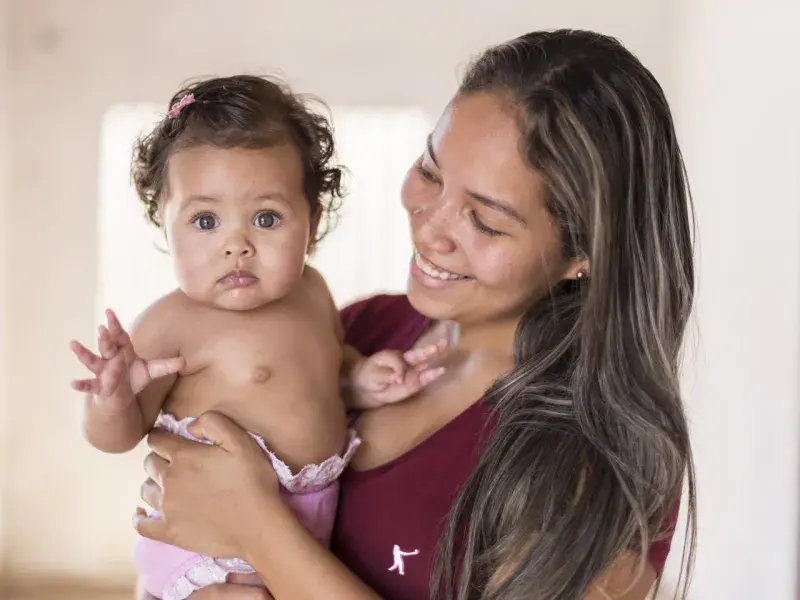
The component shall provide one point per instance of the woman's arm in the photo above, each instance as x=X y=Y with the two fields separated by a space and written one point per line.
x=223 y=500
x=295 y=566
x=225 y=591
x=624 y=580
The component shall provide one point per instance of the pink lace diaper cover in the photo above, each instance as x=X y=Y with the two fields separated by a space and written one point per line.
x=171 y=573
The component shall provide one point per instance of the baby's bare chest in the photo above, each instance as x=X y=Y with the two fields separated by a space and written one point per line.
x=242 y=343
x=232 y=358
x=274 y=373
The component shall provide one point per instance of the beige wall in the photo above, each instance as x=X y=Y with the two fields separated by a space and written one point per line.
x=67 y=507
x=740 y=126
x=4 y=199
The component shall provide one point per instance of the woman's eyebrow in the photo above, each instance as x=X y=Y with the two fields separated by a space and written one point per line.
x=485 y=200
x=498 y=206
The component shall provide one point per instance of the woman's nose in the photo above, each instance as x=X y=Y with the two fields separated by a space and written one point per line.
x=432 y=227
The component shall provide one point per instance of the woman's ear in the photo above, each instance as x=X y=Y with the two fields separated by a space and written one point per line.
x=578 y=269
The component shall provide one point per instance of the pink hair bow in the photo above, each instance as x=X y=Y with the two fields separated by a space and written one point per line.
x=176 y=108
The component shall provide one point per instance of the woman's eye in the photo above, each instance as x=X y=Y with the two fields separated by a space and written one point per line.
x=205 y=222
x=266 y=220
x=482 y=227
x=426 y=173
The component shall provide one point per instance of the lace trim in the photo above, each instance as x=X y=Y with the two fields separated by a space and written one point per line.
x=310 y=478
x=209 y=571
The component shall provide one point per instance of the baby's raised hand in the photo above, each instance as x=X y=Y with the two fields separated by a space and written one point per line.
x=119 y=373
x=391 y=376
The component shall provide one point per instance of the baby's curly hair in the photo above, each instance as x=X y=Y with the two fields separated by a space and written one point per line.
x=242 y=111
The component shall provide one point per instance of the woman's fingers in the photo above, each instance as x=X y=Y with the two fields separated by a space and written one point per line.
x=155 y=467
x=220 y=431
x=150 y=493
x=229 y=591
x=167 y=445
x=150 y=527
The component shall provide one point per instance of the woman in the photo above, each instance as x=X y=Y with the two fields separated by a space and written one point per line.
x=551 y=221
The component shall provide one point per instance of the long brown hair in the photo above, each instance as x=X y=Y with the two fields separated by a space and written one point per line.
x=591 y=444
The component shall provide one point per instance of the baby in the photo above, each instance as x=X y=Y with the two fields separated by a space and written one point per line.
x=239 y=175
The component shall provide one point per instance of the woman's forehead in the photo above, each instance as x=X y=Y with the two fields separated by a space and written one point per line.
x=478 y=145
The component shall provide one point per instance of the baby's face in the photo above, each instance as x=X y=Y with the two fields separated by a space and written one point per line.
x=238 y=224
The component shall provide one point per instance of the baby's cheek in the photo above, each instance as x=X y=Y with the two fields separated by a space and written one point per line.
x=195 y=275
x=284 y=267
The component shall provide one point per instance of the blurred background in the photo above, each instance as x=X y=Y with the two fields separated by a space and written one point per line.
x=79 y=79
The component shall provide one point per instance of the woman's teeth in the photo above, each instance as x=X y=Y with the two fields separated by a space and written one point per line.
x=435 y=272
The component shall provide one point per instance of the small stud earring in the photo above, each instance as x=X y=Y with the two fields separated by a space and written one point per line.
x=580 y=275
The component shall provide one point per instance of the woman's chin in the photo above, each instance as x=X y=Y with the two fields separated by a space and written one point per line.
x=436 y=303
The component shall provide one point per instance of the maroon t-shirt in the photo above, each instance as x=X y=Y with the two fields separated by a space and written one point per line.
x=390 y=517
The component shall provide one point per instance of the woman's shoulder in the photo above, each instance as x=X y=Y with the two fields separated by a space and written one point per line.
x=662 y=545
x=379 y=304
x=381 y=322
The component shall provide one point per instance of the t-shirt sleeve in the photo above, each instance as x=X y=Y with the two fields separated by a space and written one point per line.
x=349 y=315
x=660 y=550
x=380 y=323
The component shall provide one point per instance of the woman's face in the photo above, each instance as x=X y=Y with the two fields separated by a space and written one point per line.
x=485 y=245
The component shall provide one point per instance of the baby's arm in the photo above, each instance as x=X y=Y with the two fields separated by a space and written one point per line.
x=389 y=376
x=133 y=376
x=383 y=378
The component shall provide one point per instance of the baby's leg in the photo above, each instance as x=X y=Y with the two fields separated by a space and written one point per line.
x=249 y=579
x=231 y=592
x=141 y=591
x=241 y=586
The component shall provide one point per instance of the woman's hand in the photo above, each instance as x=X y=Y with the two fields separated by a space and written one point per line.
x=209 y=496
x=227 y=591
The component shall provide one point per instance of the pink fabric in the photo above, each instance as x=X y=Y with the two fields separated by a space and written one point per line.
x=171 y=573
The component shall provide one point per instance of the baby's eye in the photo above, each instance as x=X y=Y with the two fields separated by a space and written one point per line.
x=205 y=221
x=267 y=220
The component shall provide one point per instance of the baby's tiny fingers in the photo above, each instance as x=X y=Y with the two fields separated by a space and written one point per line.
x=383 y=377
x=86 y=385
x=391 y=364
x=417 y=356
x=389 y=359
x=105 y=344
x=426 y=377
x=164 y=366
x=116 y=329
x=115 y=371
x=88 y=358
